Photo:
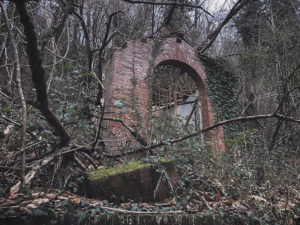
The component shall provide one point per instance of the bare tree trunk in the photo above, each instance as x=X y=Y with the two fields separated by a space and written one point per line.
x=105 y=42
x=38 y=73
x=20 y=90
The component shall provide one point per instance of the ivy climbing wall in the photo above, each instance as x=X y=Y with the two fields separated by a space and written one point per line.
x=127 y=94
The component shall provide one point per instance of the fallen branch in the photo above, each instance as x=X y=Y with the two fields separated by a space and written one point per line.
x=31 y=174
x=79 y=163
x=224 y=122
x=36 y=167
x=206 y=203
x=136 y=212
x=18 y=125
x=134 y=133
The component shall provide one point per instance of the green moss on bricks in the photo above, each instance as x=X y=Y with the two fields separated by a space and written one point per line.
x=111 y=171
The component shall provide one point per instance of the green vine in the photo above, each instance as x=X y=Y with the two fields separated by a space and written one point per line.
x=221 y=82
x=154 y=54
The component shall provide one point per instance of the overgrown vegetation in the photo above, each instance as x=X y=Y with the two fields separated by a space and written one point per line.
x=221 y=82
x=64 y=50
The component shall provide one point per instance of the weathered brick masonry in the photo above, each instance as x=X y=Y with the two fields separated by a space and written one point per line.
x=133 y=66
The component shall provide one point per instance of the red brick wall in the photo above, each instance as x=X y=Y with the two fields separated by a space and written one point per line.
x=136 y=60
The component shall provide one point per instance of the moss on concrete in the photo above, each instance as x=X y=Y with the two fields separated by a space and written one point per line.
x=112 y=171
x=133 y=180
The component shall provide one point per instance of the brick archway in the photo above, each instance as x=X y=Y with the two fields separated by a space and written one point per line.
x=132 y=67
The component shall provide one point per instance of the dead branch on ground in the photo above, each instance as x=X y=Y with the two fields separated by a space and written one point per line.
x=134 y=133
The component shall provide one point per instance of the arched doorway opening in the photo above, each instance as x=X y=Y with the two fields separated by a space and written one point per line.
x=176 y=100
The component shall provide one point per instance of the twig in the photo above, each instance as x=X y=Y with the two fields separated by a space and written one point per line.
x=136 y=212
x=157 y=186
x=171 y=4
x=18 y=125
x=3 y=44
x=9 y=168
x=31 y=174
x=20 y=90
x=79 y=163
x=56 y=29
x=205 y=203
x=224 y=122
x=99 y=128
x=213 y=35
x=5 y=95
x=134 y=133
x=105 y=42
x=90 y=159
x=256 y=100
x=38 y=73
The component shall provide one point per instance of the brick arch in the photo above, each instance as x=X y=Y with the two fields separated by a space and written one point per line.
x=207 y=117
x=130 y=82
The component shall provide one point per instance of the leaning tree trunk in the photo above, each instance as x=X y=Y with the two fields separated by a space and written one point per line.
x=38 y=73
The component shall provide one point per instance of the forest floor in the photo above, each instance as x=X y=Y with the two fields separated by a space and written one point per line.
x=262 y=206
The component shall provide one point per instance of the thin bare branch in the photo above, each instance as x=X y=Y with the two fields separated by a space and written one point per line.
x=20 y=90
x=135 y=134
x=38 y=73
x=224 y=122
x=18 y=125
x=171 y=4
x=213 y=35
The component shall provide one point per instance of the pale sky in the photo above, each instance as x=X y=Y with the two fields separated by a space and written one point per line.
x=215 y=5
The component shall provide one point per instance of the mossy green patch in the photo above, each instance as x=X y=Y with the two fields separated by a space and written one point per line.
x=111 y=171
x=166 y=160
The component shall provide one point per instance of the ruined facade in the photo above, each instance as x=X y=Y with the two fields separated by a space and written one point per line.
x=128 y=94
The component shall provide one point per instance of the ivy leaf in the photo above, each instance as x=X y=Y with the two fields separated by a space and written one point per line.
x=65 y=203
x=5 y=109
x=10 y=211
x=105 y=202
x=81 y=216
x=75 y=190
x=165 y=209
x=118 y=104
x=135 y=208
x=84 y=203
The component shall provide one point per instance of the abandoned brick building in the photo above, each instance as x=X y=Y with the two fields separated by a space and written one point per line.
x=136 y=91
